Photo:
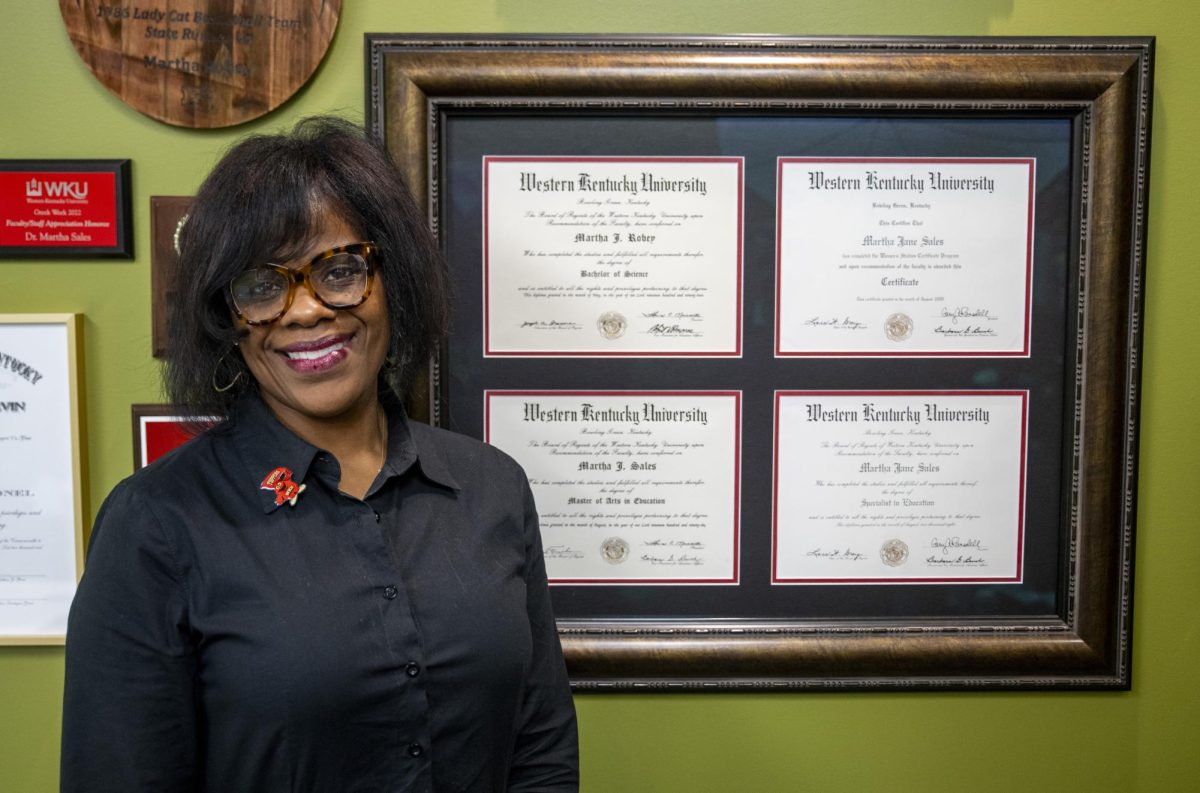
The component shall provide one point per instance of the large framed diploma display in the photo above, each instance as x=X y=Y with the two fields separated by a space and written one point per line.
x=821 y=355
x=41 y=475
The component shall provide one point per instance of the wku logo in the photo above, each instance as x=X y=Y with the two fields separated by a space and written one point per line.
x=280 y=481
x=36 y=188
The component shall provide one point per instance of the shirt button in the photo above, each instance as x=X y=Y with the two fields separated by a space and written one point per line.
x=415 y=750
x=413 y=669
x=376 y=517
x=389 y=592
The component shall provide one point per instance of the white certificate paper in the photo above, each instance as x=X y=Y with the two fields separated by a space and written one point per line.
x=899 y=487
x=612 y=256
x=904 y=256
x=40 y=488
x=631 y=486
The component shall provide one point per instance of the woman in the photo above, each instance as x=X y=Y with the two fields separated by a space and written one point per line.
x=317 y=594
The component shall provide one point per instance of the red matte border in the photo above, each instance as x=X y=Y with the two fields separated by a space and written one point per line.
x=159 y=435
x=487 y=344
x=737 y=478
x=1022 y=353
x=775 y=579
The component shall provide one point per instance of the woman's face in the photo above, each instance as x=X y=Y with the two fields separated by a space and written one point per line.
x=314 y=362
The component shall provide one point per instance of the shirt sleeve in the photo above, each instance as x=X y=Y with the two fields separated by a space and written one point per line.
x=546 y=756
x=129 y=704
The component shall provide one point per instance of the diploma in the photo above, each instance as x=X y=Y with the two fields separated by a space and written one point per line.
x=39 y=485
x=612 y=256
x=899 y=487
x=916 y=257
x=631 y=487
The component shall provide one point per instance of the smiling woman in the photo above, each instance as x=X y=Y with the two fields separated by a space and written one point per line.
x=314 y=363
x=273 y=199
x=317 y=594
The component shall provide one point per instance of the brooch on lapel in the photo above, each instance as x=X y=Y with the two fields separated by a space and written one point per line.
x=280 y=481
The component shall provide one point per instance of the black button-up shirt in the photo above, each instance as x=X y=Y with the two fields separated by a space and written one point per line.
x=220 y=641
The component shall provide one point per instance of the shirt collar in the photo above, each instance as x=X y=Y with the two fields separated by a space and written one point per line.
x=406 y=447
x=266 y=445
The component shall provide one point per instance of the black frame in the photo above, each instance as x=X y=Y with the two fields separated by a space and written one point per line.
x=122 y=198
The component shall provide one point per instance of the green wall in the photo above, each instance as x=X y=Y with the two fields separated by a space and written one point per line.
x=1144 y=740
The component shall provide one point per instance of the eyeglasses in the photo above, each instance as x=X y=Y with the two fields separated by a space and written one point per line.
x=337 y=278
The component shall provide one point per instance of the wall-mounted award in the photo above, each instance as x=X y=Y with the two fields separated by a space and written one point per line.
x=167 y=216
x=55 y=209
x=201 y=63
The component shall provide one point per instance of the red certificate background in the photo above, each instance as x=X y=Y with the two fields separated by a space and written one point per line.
x=58 y=209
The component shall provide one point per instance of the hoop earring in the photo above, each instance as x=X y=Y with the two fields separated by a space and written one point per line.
x=217 y=369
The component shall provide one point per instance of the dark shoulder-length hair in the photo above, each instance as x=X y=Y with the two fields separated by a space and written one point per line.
x=263 y=202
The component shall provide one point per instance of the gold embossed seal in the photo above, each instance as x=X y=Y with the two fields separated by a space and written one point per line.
x=614 y=550
x=894 y=553
x=611 y=325
x=898 y=327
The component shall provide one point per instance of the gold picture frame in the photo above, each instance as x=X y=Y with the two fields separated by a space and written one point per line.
x=41 y=438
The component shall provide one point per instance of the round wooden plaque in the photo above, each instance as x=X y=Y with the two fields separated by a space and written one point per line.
x=202 y=63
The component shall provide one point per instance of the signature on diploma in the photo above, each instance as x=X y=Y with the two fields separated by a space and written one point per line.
x=551 y=324
x=956 y=561
x=672 y=560
x=664 y=329
x=963 y=312
x=838 y=554
x=675 y=315
x=951 y=545
x=694 y=545
x=965 y=330
x=561 y=552
x=841 y=323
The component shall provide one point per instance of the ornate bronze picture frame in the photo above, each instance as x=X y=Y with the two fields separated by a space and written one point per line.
x=449 y=107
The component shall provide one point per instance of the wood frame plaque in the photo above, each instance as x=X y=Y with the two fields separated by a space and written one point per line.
x=1061 y=617
x=167 y=215
x=199 y=63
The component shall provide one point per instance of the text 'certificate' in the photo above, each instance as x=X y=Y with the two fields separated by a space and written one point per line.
x=910 y=257
x=39 y=477
x=612 y=256
x=631 y=487
x=899 y=487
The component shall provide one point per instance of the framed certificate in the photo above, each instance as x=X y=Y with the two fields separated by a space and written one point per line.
x=864 y=314
x=929 y=256
x=41 y=475
x=157 y=429
x=899 y=487
x=633 y=487
x=650 y=248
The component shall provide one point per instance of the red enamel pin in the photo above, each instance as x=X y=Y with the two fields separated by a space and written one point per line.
x=280 y=481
